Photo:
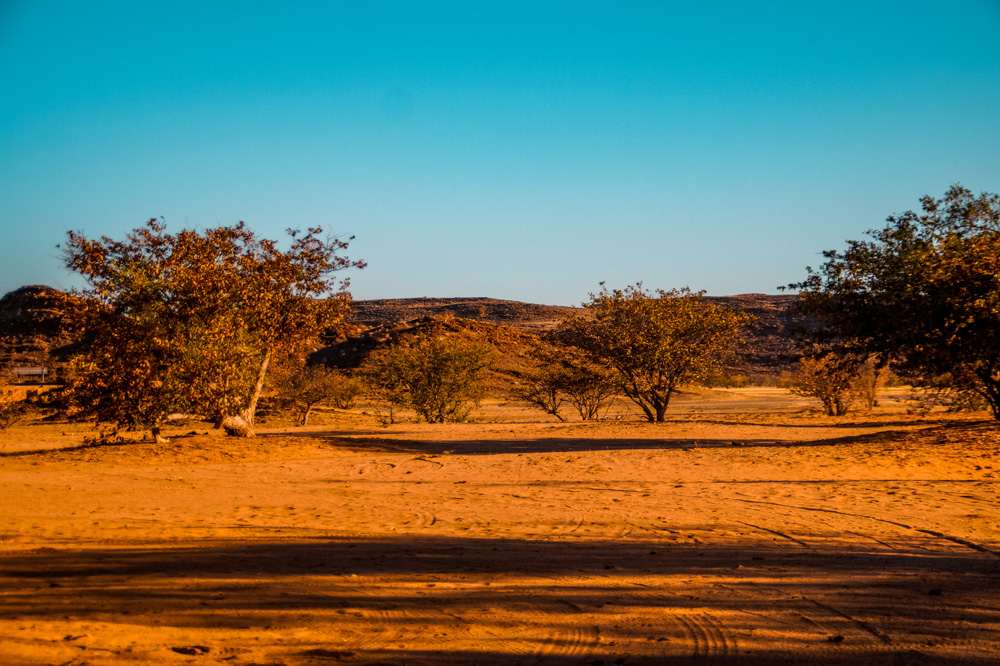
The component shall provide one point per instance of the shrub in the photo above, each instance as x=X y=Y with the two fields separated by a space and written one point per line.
x=837 y=380
x=438 y=377
x=12 y=409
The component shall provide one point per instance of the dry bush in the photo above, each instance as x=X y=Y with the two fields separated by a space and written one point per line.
x=590 y=389
x=310 y=386
x=829 y=378
x=586 y=386
x=438 y=377
x=13 y=404
x=837 y=379
x=542 y=388
x=869 y=381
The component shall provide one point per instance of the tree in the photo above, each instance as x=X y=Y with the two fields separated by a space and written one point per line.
x=543 y=388
x=923 y=293
x=561 y=376
x=309 y=386
x=589 y=387
x=174 y=322
x=831 y=377
x=655 y=341
x=437 y=376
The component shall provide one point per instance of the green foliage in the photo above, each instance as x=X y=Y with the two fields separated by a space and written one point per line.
x=438 y=377
x=655 y=341
x=924 y=292
x=190 y=321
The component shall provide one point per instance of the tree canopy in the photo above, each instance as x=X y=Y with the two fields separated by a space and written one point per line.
x=655 y=341
x=923 y=292
x=439 y=377
x=190 y=321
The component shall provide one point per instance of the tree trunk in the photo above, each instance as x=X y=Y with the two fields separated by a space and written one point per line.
x=637 y=398
x=248 y=413
x=991 y=392
x=236 y=426
x=157 y=437
x=305 y=415
x=242 y=425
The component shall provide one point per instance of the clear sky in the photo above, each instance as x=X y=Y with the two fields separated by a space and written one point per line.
x=514 y=150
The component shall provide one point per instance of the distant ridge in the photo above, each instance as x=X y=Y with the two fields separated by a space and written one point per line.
x=525 y=316
x=768 y=352
x=32 y=327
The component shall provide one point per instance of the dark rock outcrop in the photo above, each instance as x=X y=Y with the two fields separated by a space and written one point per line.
x=33 y=327
x=769 y=349
x=524 y=316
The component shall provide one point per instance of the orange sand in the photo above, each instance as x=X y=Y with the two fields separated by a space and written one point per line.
x=729 y=535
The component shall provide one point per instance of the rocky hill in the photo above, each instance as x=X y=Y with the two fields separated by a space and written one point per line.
x=524 y=316
x=32 y=326
x=512 y=347
x=769 y=349
x=768 y=352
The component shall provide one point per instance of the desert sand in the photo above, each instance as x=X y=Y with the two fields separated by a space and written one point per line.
x=747 y=530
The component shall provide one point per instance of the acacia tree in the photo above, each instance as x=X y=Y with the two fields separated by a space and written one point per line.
x=438 y=377
x=655 y=341
x=923 y=293
x=563 y=376
x=831 y=377
x=309 y=386
x=191 y=320
x=543 y=388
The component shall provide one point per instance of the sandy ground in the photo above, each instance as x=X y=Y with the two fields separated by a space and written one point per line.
x=744 y=531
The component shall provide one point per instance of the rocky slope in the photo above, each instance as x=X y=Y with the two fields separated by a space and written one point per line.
x=33 y=328
x=769 y=348
x=524 y=316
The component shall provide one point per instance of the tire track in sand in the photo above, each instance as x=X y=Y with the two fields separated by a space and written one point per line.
x=939 y=535
x=709 y=638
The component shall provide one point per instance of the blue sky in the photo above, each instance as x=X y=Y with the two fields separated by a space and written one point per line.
x=513 y=150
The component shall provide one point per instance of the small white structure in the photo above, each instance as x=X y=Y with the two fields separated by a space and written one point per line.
x=31 y=373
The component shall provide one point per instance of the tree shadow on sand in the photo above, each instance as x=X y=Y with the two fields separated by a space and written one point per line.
x=565 y=602
x=352 y=440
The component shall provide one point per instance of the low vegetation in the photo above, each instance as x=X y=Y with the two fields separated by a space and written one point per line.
x=562 y=376
x=439 y=378
x=305 y=387
x=837 y=380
